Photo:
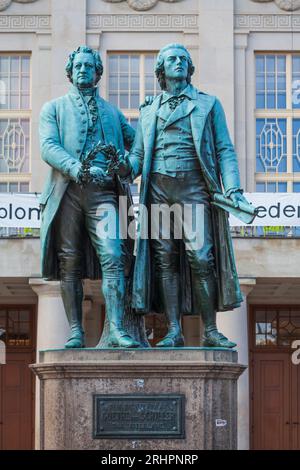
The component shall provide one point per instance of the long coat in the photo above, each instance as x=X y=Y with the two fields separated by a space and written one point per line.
x=63 y=133
x=219 y=166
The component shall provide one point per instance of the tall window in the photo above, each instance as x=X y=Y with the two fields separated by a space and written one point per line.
x=131 y=78
x=277 y=123
x=14 y=122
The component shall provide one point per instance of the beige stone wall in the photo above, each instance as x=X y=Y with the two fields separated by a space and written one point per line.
x=222 y=36
x=256 y=258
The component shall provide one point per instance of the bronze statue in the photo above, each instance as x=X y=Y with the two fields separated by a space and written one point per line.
x=75 y=129
x=184 y=153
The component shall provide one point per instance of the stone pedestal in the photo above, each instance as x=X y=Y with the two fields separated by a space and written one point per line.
x=201 y=385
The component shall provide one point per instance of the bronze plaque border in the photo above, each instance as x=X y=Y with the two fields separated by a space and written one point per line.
x=168 y=434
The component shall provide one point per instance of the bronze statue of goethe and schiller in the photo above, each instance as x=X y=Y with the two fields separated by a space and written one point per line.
x=183 y=152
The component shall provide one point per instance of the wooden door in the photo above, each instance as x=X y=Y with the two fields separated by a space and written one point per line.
x=275 y=380
x=16 y=379
x=295 y=411
x=17 y=395
x=271 y=401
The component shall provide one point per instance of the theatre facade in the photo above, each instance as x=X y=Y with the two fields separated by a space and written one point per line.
x=246 y=52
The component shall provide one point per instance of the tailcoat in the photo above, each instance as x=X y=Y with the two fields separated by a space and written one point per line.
x=63 y=134
x=219 y=166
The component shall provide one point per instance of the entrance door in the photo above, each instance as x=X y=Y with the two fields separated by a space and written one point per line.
x=295 y=424
x=271 y=401
x=16 y=379
x=275 y=380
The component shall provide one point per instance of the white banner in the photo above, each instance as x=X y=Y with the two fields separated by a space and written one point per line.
x=19 y=210
x=275 y=209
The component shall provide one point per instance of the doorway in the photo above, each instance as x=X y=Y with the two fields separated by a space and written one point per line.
x=16 y=379
x=274 y=379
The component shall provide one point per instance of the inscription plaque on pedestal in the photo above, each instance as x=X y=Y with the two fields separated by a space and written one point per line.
x=139 y=416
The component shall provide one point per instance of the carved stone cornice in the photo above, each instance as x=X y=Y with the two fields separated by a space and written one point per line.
x=5 y=3
x=129 y=370
x=26 y=23
x=267 y=22
x=287 y=5
x=140 y=22
x=141 y=5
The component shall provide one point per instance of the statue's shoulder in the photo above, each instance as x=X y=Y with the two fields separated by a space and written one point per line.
x=206 y=101
x=107 y=104
x=202 y=95
x=55 y=104
x=149 y=108
x=103 y=102
x=109 y=108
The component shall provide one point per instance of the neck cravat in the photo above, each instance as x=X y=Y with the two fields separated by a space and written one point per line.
x=175 y=101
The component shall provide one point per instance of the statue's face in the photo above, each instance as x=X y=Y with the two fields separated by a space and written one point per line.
x=84 y=70
x=176 y=64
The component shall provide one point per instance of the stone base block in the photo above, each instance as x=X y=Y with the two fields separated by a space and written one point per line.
x=148 y=399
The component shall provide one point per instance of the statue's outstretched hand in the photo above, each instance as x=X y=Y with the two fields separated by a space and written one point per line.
x=237 y=197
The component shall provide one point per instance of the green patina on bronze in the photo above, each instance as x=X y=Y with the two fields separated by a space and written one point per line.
x=184 y=153
x=70 y=129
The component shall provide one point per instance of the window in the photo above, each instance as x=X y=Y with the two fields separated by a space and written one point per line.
x=18 y=326
x=272 y=187
x=265 y=328
x=276 y=327
x=15 y=118
x=131 y=78
x=277 y=123
x=16 y=187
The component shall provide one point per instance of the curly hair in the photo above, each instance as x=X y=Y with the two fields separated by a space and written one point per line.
x=87 y=50
x=160 y=69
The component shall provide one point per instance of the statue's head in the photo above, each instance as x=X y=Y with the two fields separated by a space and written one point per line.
x=174 y=62
x=84 y=67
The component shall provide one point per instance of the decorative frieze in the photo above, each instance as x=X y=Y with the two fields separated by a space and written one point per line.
x=142 y=22
x=141 y=5
x=5 y=3
x=24 y=22
x=268 y=22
